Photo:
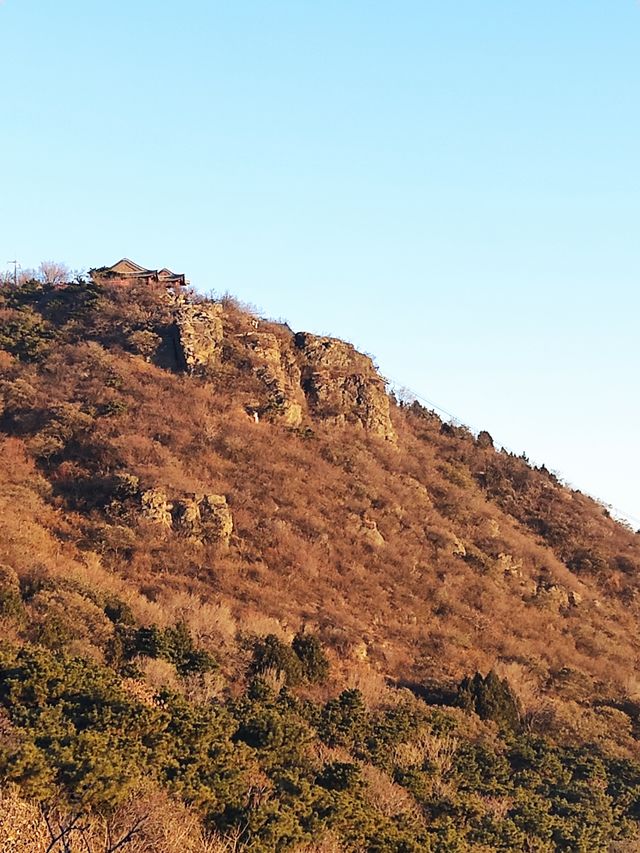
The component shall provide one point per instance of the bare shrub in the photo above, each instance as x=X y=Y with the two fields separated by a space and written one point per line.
x=438 y=750
x=148 y=822
x=22 y=829
x=329 y=843
x=373 y=685
x=53 y=272
x=391 y=799
x=158 y=673
x=526 y=685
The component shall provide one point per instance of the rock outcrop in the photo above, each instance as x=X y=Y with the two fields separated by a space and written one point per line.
x=156 y=507
x=324 y=377
x=275 y=366
x=371 y=534
x=202 y=518
x=199 y=335
x=556 y=595
x=342 y=385
x=205 y=518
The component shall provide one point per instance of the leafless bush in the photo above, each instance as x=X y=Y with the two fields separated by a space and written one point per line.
x=391 y=799
x=148 y=822
x=327 y=844
x=438 y=750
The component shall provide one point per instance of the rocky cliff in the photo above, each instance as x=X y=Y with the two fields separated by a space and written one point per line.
x=298 y=377
x=198 y=334
x=342 y=385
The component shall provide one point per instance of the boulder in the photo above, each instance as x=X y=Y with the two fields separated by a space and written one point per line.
x=552 y=595
x=509 y=565
x=370 y=533
x=216 y=519
x=187 y=517
x=458 y=548
x=575 y=599
x=156 y=507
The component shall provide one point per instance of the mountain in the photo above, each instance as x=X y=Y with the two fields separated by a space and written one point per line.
x=251 y=601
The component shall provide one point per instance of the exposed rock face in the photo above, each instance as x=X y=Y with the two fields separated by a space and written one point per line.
x=205 y=518
x=371 y=534
x=276 y=368
x=324 y=376
x=552 y=594
x=458 y=548
x=342 y=385
x=216 y=518
x=156 y=507
x=199 y=335
x=509 y=565
x=201 y=517
x=366 y=529
x=575 y=599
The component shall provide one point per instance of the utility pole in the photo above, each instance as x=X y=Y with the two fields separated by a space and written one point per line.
x=16 y=267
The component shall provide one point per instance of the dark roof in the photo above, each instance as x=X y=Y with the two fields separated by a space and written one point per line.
x=126 y=268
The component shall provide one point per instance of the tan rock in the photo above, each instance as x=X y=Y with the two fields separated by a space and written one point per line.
x=458 y=548
x=575 y=599
x=156 y=507
x=127 y=485
x=494 y=527
x=342 y=385
x=188 y=519
x=205 y=518
x=360 y=651
x=199 y=335
x=275 y=366
x=509 y=565
x=552 y=594
x=216 y=519
x=370 y=533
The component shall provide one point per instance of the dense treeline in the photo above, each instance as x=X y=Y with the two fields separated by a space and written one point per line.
x=286 y=770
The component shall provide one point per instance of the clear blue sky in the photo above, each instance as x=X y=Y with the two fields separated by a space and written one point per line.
x=455 y=187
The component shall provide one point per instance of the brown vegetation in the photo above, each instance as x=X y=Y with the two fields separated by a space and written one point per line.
x=417 y=560
x=429 y=557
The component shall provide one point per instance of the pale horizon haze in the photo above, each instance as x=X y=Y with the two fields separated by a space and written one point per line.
x=453 y=187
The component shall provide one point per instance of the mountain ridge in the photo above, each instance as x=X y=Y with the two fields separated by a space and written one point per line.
x=193 y=464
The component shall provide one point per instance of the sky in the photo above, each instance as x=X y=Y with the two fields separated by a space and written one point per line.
x=453 y=187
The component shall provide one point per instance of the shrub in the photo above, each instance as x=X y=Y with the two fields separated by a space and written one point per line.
x=340 y=776
x=270 y=653
x=308 y=648
x=344 y=720
x=80 y=735
x=174 y=645
x=491 y=698
x=10 y=598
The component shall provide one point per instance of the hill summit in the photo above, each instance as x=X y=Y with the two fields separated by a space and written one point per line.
x=242 y=583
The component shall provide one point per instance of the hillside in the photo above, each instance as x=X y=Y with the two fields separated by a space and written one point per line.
x=241 y=584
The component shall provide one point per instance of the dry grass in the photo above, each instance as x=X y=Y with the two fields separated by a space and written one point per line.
x=454 y=588
x=153 y=821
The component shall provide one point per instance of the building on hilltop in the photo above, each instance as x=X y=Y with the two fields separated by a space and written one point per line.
x=128 y=271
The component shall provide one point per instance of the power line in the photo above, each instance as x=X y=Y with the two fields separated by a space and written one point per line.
x=629 y=517
x=438 y=408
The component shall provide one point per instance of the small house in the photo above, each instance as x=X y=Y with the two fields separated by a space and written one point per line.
x=127 y=271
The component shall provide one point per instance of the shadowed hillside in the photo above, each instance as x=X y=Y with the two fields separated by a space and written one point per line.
x=336 y=620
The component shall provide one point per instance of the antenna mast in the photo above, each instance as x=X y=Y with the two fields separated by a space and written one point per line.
x=16 y=267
